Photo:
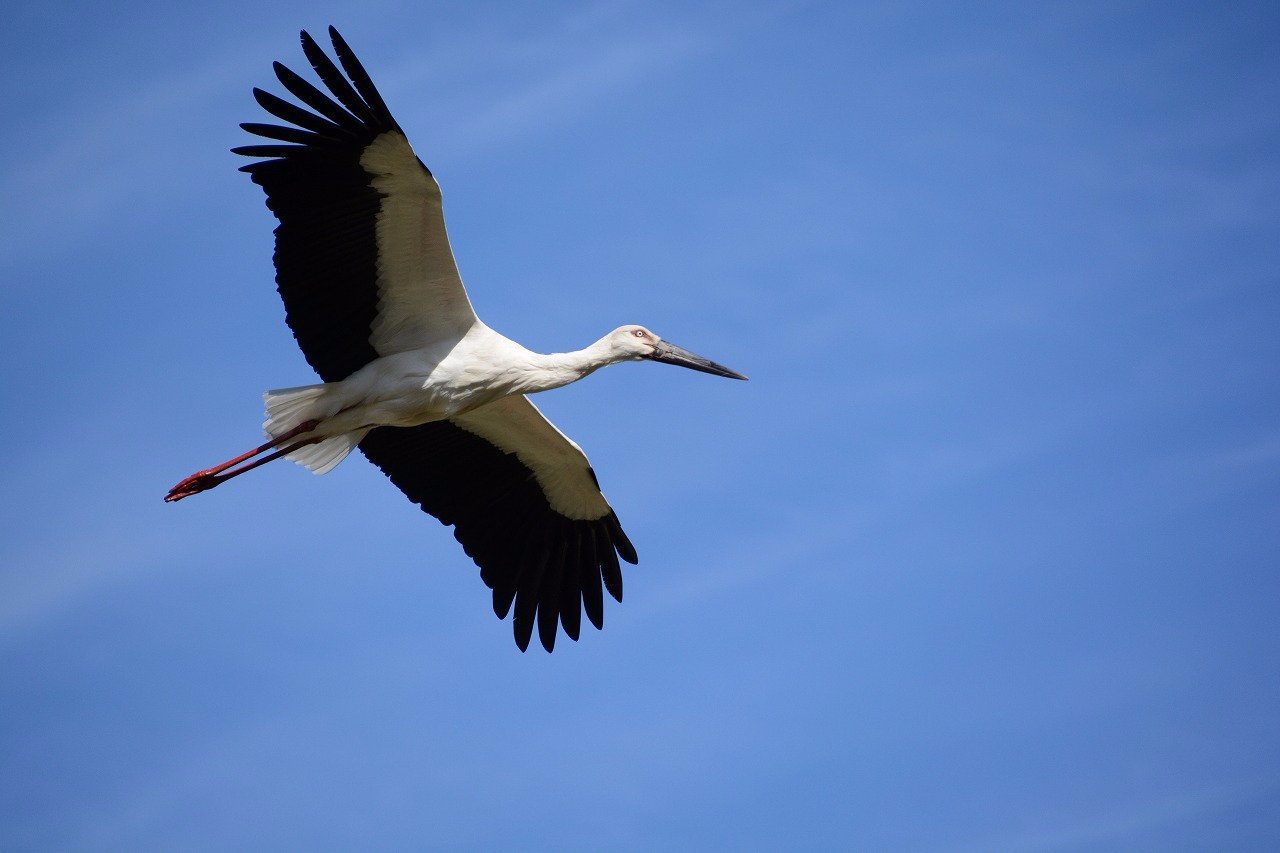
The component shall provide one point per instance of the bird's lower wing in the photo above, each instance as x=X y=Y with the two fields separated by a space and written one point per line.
x=525 y=505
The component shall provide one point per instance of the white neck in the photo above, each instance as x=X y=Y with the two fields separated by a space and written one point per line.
x=553 y=370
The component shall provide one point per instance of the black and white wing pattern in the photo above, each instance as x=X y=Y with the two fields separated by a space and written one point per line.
x=525 y=505
x=363 y=261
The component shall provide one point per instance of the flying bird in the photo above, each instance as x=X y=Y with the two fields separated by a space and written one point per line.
x=411 y=376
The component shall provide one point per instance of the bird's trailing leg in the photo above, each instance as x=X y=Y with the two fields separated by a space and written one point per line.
x=208 y=478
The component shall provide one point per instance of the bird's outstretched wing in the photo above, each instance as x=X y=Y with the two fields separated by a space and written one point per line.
x=363 y=262
x=525 y=505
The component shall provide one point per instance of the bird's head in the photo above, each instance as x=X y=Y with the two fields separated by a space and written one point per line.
x=637 y=342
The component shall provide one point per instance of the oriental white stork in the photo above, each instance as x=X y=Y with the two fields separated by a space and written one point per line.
x=431 y=395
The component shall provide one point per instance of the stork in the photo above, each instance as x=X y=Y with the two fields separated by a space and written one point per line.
x=411 y=376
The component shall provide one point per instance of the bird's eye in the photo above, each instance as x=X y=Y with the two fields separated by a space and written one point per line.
x=638 y=333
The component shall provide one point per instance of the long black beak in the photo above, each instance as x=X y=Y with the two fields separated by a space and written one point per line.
x=672 y=354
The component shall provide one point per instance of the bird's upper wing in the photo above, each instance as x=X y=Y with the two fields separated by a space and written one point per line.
x=363 y=262
x=525 y=505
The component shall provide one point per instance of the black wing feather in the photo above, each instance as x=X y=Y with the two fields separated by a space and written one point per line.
x=285 y=111
x=592 y=589
x=317 y=100
x=529 y=554
x=361 y=80
x=549 y=594
x=285 y=134
x=336 y=83
x=527 y=595
x=581 y=563
x=268 y=150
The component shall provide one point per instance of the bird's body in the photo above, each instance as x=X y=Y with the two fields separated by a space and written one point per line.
x=428 y=392
x=441 y=380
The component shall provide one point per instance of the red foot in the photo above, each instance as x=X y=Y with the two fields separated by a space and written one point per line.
x=198 y=482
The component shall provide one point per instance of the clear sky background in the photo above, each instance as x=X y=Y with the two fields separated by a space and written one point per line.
x=984 y=556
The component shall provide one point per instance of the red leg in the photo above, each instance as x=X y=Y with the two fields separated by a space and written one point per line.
x=208 y=478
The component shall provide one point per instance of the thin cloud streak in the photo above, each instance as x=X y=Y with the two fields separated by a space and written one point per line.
x=556 y=96
x=1127 y=823
x=42 y=586
x=110 y=159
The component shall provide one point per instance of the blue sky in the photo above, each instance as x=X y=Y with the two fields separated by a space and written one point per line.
x=983 y=557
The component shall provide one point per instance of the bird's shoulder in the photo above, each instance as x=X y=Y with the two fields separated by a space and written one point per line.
x=394 y=167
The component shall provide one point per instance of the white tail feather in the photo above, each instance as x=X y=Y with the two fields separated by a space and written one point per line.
x=323 y=456
x=287 y=408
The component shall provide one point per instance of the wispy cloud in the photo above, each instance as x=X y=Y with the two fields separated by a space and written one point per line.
x=1264 y=453
x=1125 y=823
x=518 y=82
x=39 y=586
x=551 y=99
x=97 y=162
x=750 y=560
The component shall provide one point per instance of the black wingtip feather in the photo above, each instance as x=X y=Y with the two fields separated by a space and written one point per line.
x=503 y=598
x=527 y=602
x=607 y=564
x=626 y=550
x=268 y=150
x=548 y=595
x=332 y=77
x=613 y=581
x=593 y=582
x=360 y=78
x=570 y=593
x=317 y=100
x=282 y=109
